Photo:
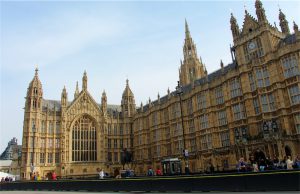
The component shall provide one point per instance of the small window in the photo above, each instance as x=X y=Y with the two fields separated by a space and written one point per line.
x=250 y=30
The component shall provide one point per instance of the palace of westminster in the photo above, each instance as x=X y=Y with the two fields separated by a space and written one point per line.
x=252 y=103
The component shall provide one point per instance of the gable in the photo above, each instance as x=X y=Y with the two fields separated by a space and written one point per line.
x=84 y=103
x=249 y=24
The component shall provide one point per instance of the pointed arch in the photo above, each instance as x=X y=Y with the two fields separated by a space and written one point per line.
x=83 y=133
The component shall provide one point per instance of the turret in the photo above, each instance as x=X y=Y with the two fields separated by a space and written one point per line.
x=34 y=94
x=260 y=12
x=158 y=98
x=283 y=23
x=104 y=102
x=76 y=94
x=64 y=98
x=128 y=103
x=142 y=107
x=296 y=30
x=84 y=81
x=234 y=27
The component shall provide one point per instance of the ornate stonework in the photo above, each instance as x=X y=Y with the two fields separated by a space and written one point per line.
x=252 y=103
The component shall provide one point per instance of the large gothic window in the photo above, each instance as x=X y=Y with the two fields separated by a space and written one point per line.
x=84 y=140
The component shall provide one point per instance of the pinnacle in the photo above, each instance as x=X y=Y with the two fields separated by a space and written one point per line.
x=36 y=71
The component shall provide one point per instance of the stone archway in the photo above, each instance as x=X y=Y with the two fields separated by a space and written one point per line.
x=288 y=151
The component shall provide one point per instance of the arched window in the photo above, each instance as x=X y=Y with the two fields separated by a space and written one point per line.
x=84 y=140
x=35 y=91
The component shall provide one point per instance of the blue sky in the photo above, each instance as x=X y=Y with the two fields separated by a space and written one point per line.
x=112 y=41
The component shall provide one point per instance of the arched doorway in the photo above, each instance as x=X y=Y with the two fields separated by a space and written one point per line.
x=288 y=151
x=259 y=155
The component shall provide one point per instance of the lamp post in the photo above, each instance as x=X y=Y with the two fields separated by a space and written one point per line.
x=33 y=153
x=185 y=150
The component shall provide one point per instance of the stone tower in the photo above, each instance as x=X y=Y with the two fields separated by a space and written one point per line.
x=32 y=117
x=128 y=102
x=192 y=68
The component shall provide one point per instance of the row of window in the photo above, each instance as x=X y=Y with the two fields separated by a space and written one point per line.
x=43 y=159
x=115 y=143
x=50 y=142
x=43 y=125
x=113 y=156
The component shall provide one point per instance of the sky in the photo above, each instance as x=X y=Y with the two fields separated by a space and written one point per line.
x=112 y=41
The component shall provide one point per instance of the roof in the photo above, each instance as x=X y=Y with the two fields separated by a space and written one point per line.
x=187 y=88
x=51 y=104
x=289 y=39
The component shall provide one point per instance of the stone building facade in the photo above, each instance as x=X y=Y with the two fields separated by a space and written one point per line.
x=252 y=103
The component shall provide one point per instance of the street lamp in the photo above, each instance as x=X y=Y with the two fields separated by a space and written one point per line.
x=185 y=150
x=33 y=151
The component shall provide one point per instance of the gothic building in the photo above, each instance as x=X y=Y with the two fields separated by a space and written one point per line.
x=252 y=103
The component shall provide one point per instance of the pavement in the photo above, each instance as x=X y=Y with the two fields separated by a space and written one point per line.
x=79 y=192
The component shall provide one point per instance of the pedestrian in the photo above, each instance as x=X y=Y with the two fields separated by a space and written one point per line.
x=158 y=172
x=283 y=163
x=241 y=165
x=289 y=163
x=262 y=164
x=276 y=162
x=255 y=167
x=54 y=177
x=150 y=172
x=101 y=174
x=297 y=162
x=117 y=174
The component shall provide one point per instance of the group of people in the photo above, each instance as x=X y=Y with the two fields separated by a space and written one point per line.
x=35 y=176
x=8 y=179
x=117 y=173
x=261 y=163
x=151 y=172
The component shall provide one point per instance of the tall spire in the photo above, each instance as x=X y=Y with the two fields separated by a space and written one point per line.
x=84 y=81
x=34 y=93
x=128 y=102
x=187 y=31
x=260 y=12
x=191 y=68
x=283 y=23
x=189 y=48
x=76 y=91
x=234 y=27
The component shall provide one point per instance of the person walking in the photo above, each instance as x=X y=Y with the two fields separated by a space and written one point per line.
x=158 y=172
x=289 y=163
x=297 y=162
x=150 y=172
x=101 y=174
x=54 y=177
